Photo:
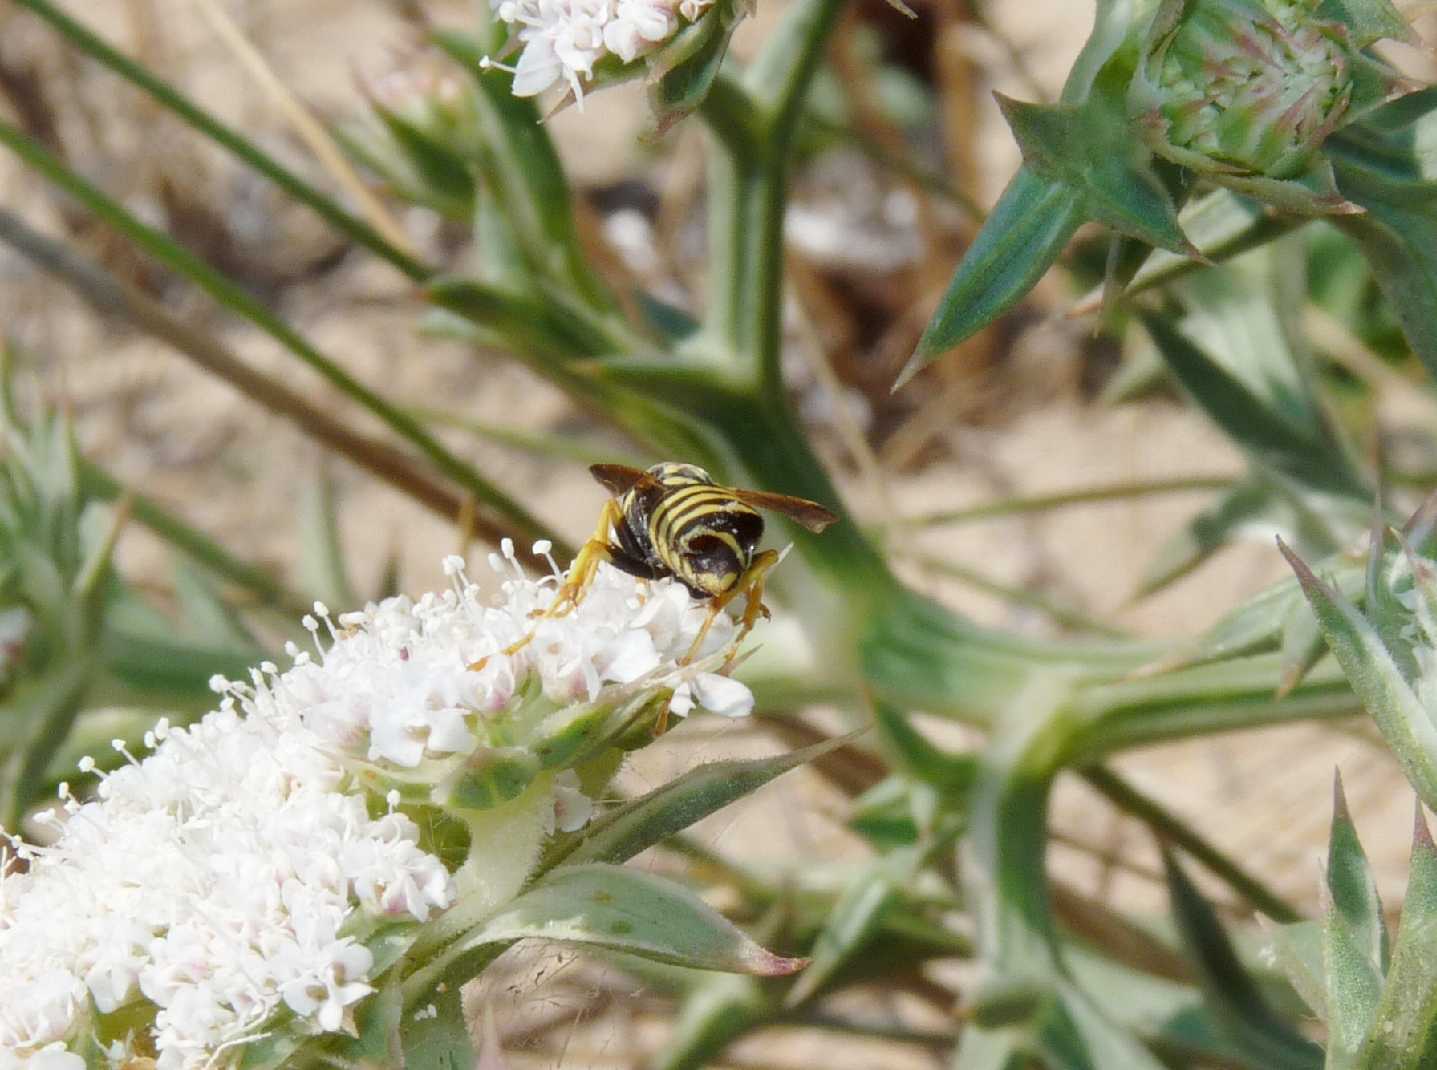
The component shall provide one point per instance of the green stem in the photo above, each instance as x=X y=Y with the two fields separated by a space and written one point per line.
x=243 y=148
x=1175 y=830
x=1108 y=492
x=111 y=296
x=735 y=183
x=233 y=297
x=557 y=447
x=48 y=708
x=1060 y=613
x=1225 y=696
x=199 y=546
x=747 y=186
x=780 y=77
x=1007 y=847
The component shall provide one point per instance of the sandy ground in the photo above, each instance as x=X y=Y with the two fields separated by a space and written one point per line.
x=234 y=471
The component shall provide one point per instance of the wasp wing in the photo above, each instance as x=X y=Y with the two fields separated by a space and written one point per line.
x=811 y=515
x=619 y=479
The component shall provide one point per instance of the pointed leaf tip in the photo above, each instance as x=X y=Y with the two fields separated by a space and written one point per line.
x=1340 y=811
x=1287 y=682
x=770 y=965
x=912 y=368
x=1305 y=575
x=1421 y=834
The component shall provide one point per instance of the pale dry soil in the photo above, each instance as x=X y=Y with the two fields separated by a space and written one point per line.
x=236 y=472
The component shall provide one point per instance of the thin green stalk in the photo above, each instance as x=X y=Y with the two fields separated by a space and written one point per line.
x=1178 y=832
x=1007 y=844
x=734 y=174
x=1223 y=697
x=747 y=185
x=1064 y=615
x=47 y=710
x=111 y=296
x=780 y=77
x=557 y=447
x=1108 y=492
x=193 y=542
x=227 y=293
x=732 y=116
x=895 y=1034
x=242 y=147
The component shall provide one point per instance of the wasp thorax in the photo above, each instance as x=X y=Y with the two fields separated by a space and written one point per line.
x=1242 y=86
x=675 y=474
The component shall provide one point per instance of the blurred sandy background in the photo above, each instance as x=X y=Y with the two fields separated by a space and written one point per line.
x=1012 y=413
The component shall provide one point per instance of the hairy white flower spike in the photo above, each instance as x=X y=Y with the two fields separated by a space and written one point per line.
x=563 y=40
x=234 y=872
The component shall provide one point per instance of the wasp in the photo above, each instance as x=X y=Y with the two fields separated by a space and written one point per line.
x=674 y=520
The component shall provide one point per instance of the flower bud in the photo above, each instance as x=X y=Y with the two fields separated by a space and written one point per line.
x=421 y=134
x=1246 y=92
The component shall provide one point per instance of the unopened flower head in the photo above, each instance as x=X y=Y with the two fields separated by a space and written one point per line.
x=563 y=40
x=1243 y=86
x=230 y=879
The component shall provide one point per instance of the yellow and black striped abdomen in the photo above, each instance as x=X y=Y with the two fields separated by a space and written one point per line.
x=703 y=535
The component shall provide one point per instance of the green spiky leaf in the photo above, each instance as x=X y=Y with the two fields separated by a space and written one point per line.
x=621 y=833
x=1385 y=164
x=1231 y=990
x=1093 y=153
x=1376 y=679
x=1404 y=1033
x=1022 y=237
x=630 y=911
x=1350 y=883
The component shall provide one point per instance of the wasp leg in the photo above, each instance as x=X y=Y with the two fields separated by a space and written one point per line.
x=586 y=563
x=581 y=574
x=749 y=584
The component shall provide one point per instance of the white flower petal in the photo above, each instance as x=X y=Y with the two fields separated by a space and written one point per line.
x=630 y=657
x=722 y=695
x=538 y=68
x=572 y=808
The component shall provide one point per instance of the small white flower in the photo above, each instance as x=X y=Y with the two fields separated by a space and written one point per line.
x=722 y=695
x=572 y=808
x=327 y=992
x=563 y=40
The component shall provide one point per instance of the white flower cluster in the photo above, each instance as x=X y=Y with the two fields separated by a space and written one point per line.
x=226 y=875
x=563 y=39
x=404 y=681
x=213 y=880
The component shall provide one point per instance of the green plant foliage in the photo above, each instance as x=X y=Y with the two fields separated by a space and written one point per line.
x=75 y=635
x=1285 y=82
x=633 y=912
x=1388 y=670
x=958 y=839
x=1379 y=1007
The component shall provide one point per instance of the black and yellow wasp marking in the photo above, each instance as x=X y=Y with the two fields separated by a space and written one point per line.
x=674 y=520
